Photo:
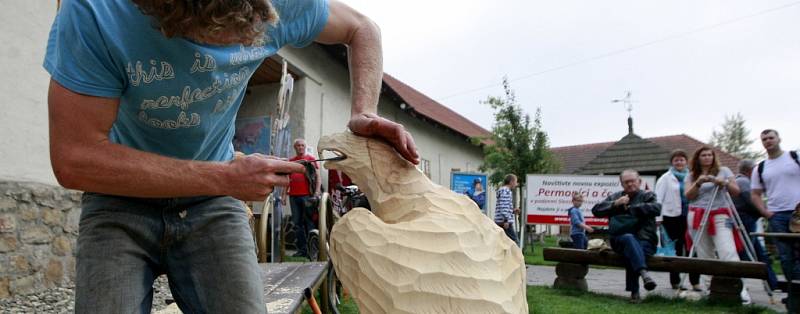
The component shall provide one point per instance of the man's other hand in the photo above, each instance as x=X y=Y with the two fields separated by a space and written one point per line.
x=371 y=125
x=623 y=200
x=253 y=177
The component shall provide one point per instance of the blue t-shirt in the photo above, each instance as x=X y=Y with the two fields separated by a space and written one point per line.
x=575 y=219
x=178 y=98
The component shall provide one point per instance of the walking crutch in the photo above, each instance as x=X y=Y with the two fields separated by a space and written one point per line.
x=701 y=231
x=749 y=247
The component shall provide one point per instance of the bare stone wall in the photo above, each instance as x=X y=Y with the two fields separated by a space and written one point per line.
x=38 y=230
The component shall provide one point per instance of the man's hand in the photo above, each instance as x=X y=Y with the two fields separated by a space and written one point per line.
x=623 y=200
x=371 y=125
x=517 y=211
x=253 y=177
x=506 y=225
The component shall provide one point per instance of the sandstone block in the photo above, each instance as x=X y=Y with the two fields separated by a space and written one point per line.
x=62 y=246
x=36 y=235
x=8 y=244
x=52 y=217
x=20 y=264
x=23 y=285
x=8 y=223
x=54 y=272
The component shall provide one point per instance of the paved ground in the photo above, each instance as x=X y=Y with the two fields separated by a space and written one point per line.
x=612 y=281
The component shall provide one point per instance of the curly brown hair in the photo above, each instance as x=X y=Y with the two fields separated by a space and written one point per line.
x=697 y=169
x=240 y=21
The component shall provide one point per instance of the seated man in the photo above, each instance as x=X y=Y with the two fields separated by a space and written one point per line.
x=632 y=226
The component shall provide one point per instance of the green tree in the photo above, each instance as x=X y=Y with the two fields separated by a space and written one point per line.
x=734 y=138
x=517 y=144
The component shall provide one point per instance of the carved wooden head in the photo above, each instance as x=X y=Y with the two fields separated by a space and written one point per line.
x=374 y=166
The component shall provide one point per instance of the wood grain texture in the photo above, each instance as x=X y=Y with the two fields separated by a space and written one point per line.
x=424 y=249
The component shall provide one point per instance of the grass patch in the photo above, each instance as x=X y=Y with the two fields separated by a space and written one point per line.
x=533 y=254
x=296 y=259
x=548 y=300
x=543 y=300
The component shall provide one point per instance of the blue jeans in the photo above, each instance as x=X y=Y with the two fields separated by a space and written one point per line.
x=301 y=218
x=635 y=252
x=511 y=233
x=203 y=244
x=579 y=241
x=788 y=256
x=749 y=223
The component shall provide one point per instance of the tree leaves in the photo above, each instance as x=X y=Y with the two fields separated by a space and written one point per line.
x=518 y=145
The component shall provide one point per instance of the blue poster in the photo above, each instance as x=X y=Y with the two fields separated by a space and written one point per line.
x=252 y=135
x=470 y=184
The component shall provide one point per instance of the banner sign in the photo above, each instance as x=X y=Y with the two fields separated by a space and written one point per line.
x=550 y=196
x=465 y=183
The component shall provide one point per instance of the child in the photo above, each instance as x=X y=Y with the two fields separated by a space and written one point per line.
x=578 y=227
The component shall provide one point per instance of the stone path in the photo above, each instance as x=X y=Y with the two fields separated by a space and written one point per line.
x=612 y=281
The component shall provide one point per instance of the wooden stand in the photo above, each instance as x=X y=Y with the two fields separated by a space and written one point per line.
x=725 y=289
x=570 y=275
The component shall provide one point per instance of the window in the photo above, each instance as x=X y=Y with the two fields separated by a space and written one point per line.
x=425 y=167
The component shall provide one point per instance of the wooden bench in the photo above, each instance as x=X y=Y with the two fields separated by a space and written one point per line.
x=284 y=284
x=726 y=282
x=793 y=294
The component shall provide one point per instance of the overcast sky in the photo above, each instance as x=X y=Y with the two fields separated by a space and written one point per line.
x=687 y=63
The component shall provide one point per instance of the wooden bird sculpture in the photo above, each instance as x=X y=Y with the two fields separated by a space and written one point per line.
x=423 y=248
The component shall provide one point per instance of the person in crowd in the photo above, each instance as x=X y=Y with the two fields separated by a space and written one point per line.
x=779 y=178
x=504 y=209
x=750 y=218
x=632 y=216
x=670 y=190
x=300 y=193
x=578 y=227
x=707 y=181
x=478 y=195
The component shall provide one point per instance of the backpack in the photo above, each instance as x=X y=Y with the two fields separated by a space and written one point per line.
x=761 y=164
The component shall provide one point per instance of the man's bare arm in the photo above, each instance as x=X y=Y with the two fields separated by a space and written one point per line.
x=83 y=158
x=363 y=38
x=758 y=202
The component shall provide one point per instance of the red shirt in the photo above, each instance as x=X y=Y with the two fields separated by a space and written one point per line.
x=335 y=177
x=298 y=186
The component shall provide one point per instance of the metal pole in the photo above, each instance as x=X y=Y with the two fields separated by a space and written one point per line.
x=749 y=247
x=699 y=238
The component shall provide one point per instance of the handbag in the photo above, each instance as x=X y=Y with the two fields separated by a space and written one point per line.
x=622 y=224
x=667 y=247
x=794 y=222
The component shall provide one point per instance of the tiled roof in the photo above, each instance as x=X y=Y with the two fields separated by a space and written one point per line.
x=433 y=110
x=630 y=152
x=574 y=157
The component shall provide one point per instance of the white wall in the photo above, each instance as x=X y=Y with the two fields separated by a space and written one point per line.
x=24 y=153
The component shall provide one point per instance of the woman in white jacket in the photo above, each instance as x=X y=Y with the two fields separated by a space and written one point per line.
x=670 y=189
